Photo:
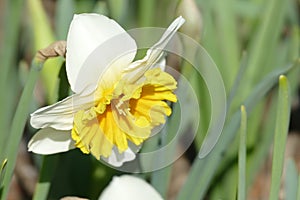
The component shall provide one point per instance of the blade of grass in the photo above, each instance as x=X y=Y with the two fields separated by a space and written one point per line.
x=188 y=125
x=204 y=169
x=84 y=6
x=264 y=42
x=146 y=11
x=262 y=46
x=209 y=35
x=205 y=112
x=13 y=11
x=260 y=121
x=237 y=81
x=101 y=8
x=242 y=156
x=118 y=9
x=160 y=179
x=11 y=21
x=226 y=186
x=44 y=36
x=50 y=163
x=263 y=143
x=160 y=10
x=63 y=16
x=228 y=43
x=18 y=124
x=281 y=130
x=298 y=192
x=229 y=162
x=46 y=175
x=231 y=153
x=247 y=9
x=232 y=171
x=291 y=181
x=219 y=22
x=2 y=172
x=293 y=54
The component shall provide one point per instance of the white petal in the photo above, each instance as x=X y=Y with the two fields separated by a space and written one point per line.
x=60 y=115
x=93 y=42
x=116 y=159
x=49 y=141
x=154 y=54
x=155 y=51
x=128 y=187
x=162 y=64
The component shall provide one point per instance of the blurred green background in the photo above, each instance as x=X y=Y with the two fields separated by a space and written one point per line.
x=252 y=42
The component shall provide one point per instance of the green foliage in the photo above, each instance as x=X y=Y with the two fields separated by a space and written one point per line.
x=253 y=43
x=281 y=130
x=242 y=155
x=291 y=181
x=18 y=124
x=2 y=173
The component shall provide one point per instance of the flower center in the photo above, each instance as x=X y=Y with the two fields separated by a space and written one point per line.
x=123 y=114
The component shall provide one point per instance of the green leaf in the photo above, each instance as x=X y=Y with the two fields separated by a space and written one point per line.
x=204 y=169
x=298 y=192
x=263 y=44
x=63 y=17
x=281 y=130
x=2 y=171
x=229 y=49
x=262 y=144
x=9 y=49
x=18 y=123
x=226 y=186
x=43 y=37
x=49 y=163
x=242 y=156
x=145 y=11
x=186 y=106
x=291 y=181
x=160 y=179
x=118 y=9
x=46 y=175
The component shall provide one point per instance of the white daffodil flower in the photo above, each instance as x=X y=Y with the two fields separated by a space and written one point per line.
x=116 y=102
x=127 y=187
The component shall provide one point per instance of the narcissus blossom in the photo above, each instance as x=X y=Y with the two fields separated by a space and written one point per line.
x=128 y=187
x=116 y=102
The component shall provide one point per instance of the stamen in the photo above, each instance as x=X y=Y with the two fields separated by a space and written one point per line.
x=119 y=106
